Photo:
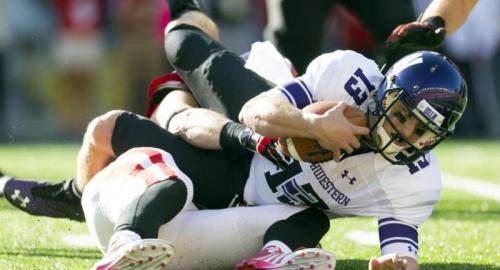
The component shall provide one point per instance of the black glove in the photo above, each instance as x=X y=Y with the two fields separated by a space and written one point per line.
x=428 y=34
x=238 y=136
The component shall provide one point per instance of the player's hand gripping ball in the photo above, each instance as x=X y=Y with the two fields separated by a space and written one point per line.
x=309 y=150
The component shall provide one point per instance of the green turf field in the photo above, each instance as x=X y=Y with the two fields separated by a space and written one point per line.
x=463 y=233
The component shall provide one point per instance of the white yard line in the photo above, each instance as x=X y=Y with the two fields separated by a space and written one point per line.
x=473 y=186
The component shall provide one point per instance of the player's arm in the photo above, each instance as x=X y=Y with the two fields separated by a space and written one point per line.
x=453 y=12
x=398 y=245
x=178 y=113
x=274 y=116
x=173 y=103
x=440 y=17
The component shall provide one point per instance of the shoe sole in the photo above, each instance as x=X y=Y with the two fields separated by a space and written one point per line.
x=311 y=258
x=142 y=255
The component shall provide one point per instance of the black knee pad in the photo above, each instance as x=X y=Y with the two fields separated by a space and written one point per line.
x=217 y=77
x=187 y=47
x=159 y=204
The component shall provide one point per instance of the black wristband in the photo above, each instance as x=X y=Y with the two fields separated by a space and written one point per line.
x=234 y=136
x=437 y=21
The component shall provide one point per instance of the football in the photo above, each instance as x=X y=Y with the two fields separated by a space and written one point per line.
x=309 y=150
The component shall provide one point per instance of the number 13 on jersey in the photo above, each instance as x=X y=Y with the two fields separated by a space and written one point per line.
x=351 y=86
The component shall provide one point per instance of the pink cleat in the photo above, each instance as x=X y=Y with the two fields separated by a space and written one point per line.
x=273 y=258
x=142 y=254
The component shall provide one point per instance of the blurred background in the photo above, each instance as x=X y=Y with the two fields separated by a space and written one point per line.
x=63 y=62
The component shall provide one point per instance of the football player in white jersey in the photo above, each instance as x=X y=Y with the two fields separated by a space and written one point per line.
x=393 y=176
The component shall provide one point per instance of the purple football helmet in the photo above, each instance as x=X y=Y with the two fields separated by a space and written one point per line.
x=431 y=89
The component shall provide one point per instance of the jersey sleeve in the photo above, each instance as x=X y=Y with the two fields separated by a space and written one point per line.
x=159 y=87
x=414 y=190
x=398 y=237
x=265 y=60
x=341 y=76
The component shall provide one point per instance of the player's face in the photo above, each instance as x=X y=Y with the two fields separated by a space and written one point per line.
x=406 y=123
x=402 y=128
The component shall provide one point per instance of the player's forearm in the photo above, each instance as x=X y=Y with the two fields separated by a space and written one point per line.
x=199 y=127
x=174 y=102
x=454 y=12
x=274 y=117
x=179 y=114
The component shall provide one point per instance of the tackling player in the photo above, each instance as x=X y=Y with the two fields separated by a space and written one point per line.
x=125 y=206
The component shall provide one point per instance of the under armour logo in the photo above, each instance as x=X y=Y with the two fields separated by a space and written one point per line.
x=410 y=249
x=17 y=196
x=346 y=175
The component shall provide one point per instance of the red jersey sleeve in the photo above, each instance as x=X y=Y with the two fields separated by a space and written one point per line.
x=159 y=87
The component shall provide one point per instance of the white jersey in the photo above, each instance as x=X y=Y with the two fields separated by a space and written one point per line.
x=401 y=196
